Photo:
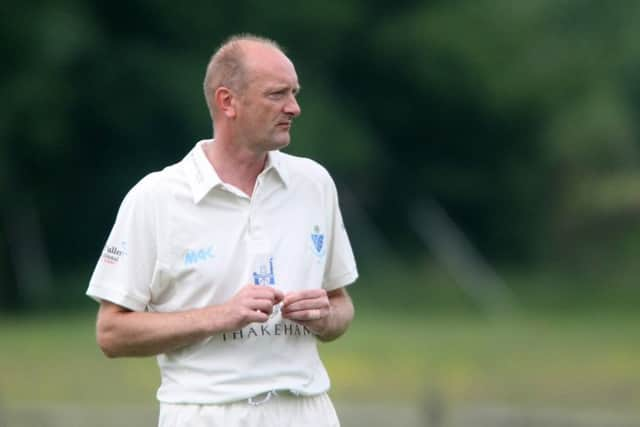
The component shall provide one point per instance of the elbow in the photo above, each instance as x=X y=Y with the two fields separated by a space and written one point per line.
x=352 y=310
x=106 y=340
x=107 y=350
x=109 y=331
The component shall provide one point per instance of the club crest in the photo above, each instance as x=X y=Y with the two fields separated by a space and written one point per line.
x=317 y=239
x=264 y=274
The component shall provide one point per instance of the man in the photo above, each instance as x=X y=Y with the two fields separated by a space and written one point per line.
x=230 y=264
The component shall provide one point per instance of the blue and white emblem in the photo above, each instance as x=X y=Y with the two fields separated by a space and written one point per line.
x=264 y=274
x=317 y=239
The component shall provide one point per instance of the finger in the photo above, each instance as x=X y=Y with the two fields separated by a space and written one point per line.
x=279 y=296
x=306 y=304
x=264 y=292
x=257 y=316
x=263 y=305
x=305 y=315
x=304 y=294
x=274 y=296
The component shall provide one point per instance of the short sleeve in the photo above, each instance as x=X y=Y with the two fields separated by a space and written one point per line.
x=340 y=269
x=125 y=270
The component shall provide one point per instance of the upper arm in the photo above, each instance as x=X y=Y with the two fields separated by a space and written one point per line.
x=107 y=309
x=107 y=313
x=106 y=324
x=340 y=298
x=338 y=293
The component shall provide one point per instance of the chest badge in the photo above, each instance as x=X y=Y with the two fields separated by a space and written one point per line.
x=264 y=274
x=317 y=239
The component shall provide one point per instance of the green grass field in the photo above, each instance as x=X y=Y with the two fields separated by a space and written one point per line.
x=575 y=360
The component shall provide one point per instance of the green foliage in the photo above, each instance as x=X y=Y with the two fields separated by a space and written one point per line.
x=518 y=117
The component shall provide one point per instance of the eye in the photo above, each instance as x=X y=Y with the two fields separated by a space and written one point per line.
x=278 y=94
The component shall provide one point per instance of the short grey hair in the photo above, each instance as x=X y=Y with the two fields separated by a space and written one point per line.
x=227 y=66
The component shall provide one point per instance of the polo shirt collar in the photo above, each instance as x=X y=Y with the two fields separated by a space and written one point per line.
x=276 y=162
x=202 y=176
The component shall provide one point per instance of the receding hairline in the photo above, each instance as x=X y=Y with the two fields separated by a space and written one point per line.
x=227 y=66
x=246 y=38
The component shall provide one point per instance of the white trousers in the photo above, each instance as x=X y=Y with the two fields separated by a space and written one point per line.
x=273 y=410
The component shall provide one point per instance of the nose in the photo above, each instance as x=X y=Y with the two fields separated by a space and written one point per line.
x=292 y=108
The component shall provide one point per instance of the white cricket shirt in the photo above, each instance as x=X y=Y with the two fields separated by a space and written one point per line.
x=183 y=239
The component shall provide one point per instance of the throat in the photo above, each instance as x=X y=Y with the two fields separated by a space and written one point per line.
x=240 y=171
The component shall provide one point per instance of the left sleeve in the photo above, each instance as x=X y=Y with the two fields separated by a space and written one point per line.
x=340 y=268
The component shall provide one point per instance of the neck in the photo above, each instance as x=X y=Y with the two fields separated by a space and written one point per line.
x=235 y=165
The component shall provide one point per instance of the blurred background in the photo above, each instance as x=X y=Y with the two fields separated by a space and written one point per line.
x=487 y=155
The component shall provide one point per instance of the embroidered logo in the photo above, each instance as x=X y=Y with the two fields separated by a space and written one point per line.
x=112 y=253
x=264 y=274
x=317 y=239
x=198 y=255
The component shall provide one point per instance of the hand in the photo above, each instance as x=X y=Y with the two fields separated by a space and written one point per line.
x=310 y=308
x=251 y=304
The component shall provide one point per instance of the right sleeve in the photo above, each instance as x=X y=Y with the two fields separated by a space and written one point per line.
x=340 y=269
x=125 y=270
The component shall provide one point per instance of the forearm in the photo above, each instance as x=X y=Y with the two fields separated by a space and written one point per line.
x=121 y=332
x=340 y=316
x=127 y=333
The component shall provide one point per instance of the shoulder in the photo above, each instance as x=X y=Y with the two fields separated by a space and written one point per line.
x=146 y=188
x=153 y=189
x=158 y=183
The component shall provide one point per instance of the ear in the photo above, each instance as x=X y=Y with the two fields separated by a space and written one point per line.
x=225 y=101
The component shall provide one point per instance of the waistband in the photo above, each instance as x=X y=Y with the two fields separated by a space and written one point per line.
x=262 y=398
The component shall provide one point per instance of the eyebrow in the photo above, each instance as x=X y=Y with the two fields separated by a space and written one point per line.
x=281 y=87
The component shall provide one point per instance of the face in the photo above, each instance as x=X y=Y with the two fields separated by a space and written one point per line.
x=267 y=106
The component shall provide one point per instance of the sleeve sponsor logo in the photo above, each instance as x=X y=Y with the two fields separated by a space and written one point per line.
x=113 y=253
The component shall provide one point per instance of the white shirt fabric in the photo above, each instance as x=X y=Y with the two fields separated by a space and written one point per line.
x=183 y=239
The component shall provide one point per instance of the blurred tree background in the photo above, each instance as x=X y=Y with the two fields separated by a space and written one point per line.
x=517 y=119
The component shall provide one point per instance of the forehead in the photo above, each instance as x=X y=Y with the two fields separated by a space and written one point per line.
x=269 y=66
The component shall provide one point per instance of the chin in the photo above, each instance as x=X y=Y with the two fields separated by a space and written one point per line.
x=277 y=145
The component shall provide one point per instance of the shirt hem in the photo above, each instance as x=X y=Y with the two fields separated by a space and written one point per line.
x=99 y=293
x=341 y=281
x=231 y=400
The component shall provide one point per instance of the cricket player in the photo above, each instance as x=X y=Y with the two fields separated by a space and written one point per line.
x=230 y=265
